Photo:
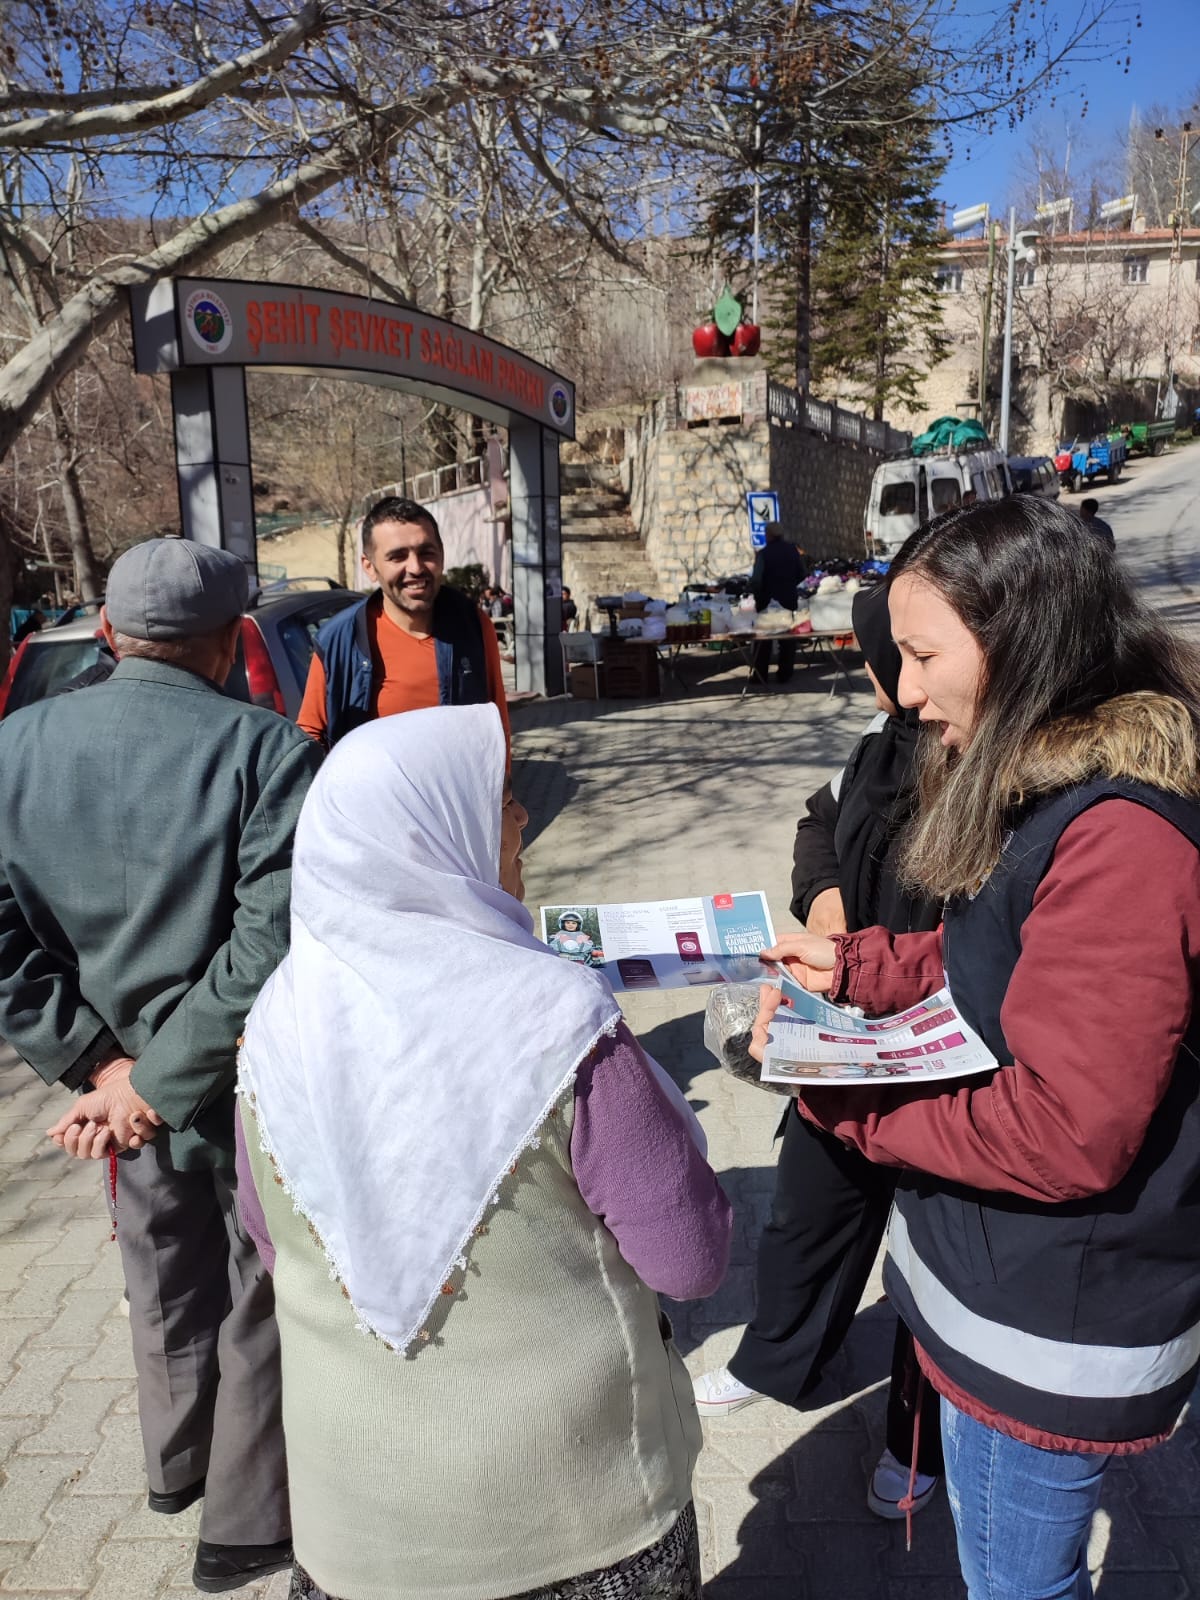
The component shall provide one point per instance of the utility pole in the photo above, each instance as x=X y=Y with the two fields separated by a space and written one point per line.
x=757 y=197
x=1022 y=245
x=985 y=332
x=1166 y=382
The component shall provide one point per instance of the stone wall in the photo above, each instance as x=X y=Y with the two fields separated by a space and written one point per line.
x=687 y=483
x=822 y=486
x=688 y=499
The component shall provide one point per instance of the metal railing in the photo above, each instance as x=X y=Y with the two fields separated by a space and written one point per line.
x=439 y=481
x=452 y=479
x=790 y=408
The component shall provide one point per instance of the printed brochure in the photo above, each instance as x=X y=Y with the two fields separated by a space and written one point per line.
x=815 y=1042
x=665 y=944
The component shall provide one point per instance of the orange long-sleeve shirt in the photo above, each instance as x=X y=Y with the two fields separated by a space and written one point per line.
x=403 y=674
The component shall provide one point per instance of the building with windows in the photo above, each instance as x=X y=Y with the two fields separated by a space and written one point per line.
x=1099 y=323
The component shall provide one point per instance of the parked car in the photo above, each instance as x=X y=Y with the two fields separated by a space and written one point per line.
x=1034 y=475
x=271 y=669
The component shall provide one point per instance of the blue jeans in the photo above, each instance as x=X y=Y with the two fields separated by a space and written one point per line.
x=1021 y=1514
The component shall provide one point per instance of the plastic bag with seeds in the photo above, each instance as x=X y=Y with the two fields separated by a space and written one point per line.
x=728 y=1022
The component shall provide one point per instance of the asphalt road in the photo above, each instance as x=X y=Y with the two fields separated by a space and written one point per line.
x=1155 y=515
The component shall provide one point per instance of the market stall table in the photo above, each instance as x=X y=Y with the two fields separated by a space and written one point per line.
x=826 y=644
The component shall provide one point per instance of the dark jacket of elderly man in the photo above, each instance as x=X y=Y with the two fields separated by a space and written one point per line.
x=145 y=854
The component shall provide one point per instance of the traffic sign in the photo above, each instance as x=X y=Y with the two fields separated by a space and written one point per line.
x=763 y=506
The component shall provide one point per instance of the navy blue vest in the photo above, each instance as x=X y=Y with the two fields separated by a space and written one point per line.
x=344 y=648
x=1080 y=1318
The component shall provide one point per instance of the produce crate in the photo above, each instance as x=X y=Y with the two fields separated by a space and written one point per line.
x=630 y=671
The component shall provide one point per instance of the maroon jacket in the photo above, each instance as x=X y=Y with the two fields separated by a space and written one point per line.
x=1094 y=1014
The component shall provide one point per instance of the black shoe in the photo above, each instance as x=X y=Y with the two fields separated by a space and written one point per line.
x=228 y=1566
x=172 y=1504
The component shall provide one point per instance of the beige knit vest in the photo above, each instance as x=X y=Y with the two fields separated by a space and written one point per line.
x=545 y=1429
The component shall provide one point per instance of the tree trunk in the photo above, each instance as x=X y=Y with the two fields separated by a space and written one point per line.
x=88 y=583
x=803 y=262
x=8 y=563
x=342 y=545
x=881 y=323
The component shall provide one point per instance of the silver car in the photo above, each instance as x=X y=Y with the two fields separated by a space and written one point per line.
x=271 y=669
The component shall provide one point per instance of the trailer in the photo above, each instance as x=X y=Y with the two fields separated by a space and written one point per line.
x=1077 y=464
x=1148 y=438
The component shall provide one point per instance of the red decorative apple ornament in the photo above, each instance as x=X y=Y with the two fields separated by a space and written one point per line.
x=747 y=337
x=708 y=340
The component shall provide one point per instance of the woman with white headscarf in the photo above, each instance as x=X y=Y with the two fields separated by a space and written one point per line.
x=473 y=1181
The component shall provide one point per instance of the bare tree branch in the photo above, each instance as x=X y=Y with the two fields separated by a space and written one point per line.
x=173 y=106
x=344 y=258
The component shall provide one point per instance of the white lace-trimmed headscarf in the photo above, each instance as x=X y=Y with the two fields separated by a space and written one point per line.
x=417 y=1034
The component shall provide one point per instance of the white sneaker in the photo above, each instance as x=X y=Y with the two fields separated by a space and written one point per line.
x=718 y=1393
x=889 y=1485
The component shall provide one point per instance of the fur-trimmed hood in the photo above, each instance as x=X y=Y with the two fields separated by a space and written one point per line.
x=1145 y=737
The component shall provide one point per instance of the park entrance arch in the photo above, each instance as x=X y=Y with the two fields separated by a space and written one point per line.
x=205 y=332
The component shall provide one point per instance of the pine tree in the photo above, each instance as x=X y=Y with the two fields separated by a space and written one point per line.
x=875 y=300
x=848 y=220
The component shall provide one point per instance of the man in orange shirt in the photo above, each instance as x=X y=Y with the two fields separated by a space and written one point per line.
x=412 y=643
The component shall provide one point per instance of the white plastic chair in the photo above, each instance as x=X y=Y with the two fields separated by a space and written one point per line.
x=580 y=650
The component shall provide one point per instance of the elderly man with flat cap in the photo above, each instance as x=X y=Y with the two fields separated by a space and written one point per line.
x=145 y=856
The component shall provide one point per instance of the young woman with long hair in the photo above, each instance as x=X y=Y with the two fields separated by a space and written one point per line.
x=1045 y=1243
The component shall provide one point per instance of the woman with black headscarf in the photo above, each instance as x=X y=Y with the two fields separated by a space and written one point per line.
x=831 y=1204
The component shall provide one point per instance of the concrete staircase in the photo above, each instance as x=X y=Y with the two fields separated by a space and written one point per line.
x=602 y=552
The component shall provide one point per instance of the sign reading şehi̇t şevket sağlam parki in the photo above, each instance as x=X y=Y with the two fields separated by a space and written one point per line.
x=224 y=322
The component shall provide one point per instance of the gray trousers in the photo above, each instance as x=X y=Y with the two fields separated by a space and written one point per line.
x=205 y=1345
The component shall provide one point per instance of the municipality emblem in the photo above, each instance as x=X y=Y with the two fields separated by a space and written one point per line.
x=207 y=319
x=560 y=402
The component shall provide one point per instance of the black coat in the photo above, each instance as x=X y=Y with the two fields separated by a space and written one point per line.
x=778 y=571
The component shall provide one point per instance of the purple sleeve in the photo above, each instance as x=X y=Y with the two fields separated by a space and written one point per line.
x=639 y=1171
x=249 y=1205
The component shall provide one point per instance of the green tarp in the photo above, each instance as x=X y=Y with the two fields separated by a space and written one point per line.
x=951 y=433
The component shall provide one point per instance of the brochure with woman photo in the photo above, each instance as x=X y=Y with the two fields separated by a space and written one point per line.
x=665 y=944
x=812 y=1041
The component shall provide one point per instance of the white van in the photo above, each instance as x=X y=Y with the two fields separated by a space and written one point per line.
x=906 y=493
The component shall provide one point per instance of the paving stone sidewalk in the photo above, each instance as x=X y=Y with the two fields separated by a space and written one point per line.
x=692 y=794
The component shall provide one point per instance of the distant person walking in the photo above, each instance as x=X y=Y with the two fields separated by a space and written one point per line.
x=412 y=644
x=146 y=852
x=1088 y=510
x=778 y=572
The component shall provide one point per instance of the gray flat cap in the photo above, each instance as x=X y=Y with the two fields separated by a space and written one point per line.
x=175 y=589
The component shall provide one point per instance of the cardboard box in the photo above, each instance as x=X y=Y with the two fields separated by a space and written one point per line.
x=581 y=682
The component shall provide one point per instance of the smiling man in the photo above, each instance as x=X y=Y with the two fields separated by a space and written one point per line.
x=412 y=643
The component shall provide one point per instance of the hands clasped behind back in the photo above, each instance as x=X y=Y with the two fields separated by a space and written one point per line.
x=111 y=1115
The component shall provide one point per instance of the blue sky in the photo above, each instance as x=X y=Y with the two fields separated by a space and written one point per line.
x=1165 y=69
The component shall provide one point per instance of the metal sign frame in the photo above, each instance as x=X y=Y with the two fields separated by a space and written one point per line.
x=205 y=333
